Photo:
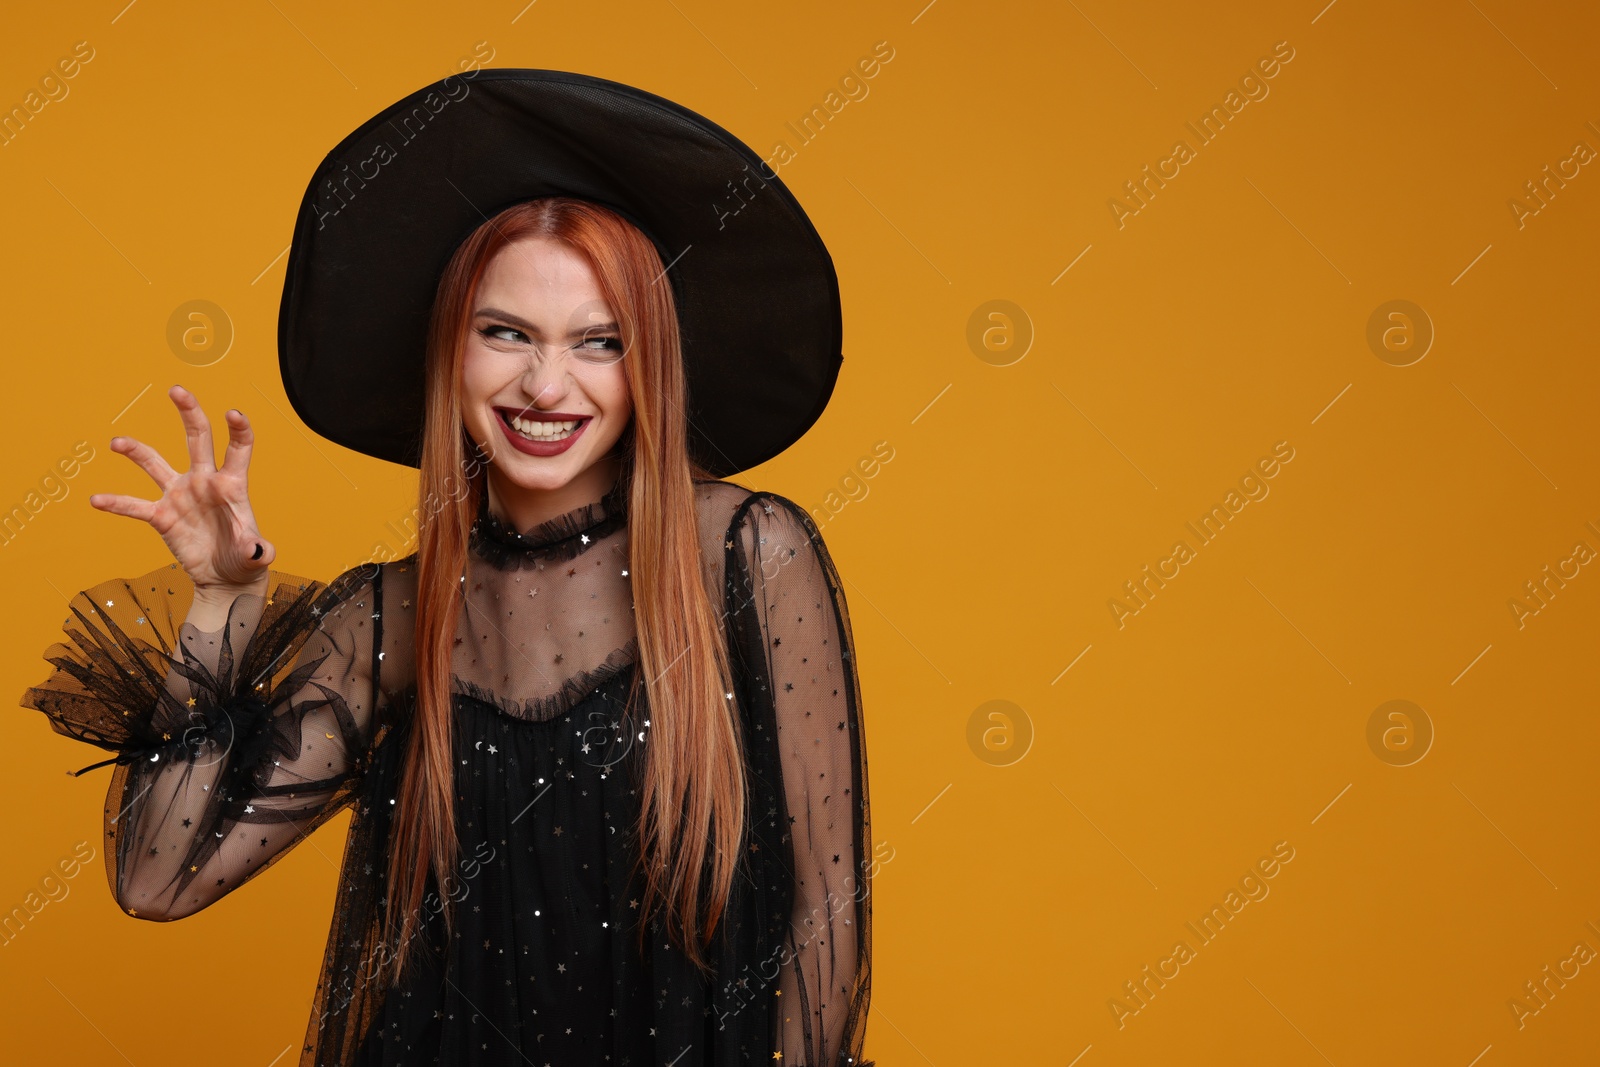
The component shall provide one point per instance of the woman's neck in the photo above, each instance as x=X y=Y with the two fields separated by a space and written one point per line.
x=524 y=508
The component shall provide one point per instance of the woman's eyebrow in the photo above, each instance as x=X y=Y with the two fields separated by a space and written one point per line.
x=524 y=324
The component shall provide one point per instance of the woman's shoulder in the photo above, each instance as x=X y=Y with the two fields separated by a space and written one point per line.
x=368 y=572
x=736 y=518
x=718 y=500
x=722 y=502
x=399 y=576
x=395 y=578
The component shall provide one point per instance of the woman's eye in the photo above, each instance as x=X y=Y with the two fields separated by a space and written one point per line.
x=491 y=331
x=601 y=343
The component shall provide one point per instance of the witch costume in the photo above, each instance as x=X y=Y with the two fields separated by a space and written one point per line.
x=232 y=745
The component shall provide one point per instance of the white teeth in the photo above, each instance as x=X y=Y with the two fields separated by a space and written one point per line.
x=544 y=431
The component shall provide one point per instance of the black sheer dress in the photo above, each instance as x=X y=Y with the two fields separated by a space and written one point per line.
x=232 y=745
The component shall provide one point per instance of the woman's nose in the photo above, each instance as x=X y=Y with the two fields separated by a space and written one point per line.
x=545 y=376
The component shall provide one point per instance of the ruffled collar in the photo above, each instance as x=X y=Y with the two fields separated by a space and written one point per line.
x=562 y=537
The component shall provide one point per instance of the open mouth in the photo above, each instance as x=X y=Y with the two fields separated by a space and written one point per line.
x=544 y=430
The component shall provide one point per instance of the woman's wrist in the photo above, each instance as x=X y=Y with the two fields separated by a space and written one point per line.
x=224 y=593
x=213 y=603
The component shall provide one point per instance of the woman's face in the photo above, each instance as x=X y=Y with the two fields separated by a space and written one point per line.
x=540 y=356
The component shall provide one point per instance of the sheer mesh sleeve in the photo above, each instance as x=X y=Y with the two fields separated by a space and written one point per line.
x=789 y=616
x=231 y=745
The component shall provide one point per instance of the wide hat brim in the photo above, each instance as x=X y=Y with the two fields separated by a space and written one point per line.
x=756 y=291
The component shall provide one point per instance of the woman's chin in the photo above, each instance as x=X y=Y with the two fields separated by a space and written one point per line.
x=541 y=473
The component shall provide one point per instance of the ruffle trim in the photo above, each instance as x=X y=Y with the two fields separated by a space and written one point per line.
x=110 y=685
x=562 y=538
x=563 y=700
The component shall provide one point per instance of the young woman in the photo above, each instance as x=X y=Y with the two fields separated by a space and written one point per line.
x=600 y=732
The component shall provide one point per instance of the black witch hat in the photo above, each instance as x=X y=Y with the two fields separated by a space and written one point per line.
x=755 y=288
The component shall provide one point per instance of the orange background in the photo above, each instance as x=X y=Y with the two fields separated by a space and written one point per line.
x=1044 y=856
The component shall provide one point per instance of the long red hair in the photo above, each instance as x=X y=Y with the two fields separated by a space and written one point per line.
x=692 y=791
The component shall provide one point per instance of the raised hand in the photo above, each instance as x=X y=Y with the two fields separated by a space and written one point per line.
x=204 y=514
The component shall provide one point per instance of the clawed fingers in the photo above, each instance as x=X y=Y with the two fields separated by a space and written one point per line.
x=202 y=453
x=241 y=439
x=147 y=458
x=119 y=504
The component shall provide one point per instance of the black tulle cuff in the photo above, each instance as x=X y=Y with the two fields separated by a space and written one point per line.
x=126 y=681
